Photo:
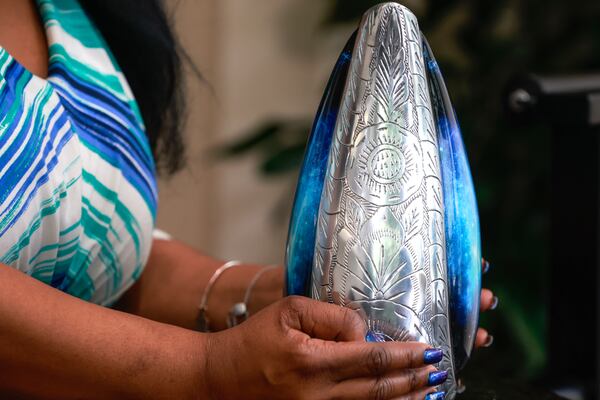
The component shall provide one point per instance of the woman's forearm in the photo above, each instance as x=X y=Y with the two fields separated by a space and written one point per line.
x=53 y=345
x=176 y=276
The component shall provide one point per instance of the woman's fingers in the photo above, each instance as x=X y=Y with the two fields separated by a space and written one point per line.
x=354 y=360
x=483 y=338
x=423 y=394
x=398 y=384
x=488 y=300
x=322 y=320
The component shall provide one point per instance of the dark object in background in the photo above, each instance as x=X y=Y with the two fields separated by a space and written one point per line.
x=571 y=106
x=562 y=101
x=485 y=387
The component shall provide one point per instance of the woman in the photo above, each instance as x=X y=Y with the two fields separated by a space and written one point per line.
x=77 y=205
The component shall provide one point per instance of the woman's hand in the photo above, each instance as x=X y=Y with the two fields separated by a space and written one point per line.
x=488 y=302
x=300 y=348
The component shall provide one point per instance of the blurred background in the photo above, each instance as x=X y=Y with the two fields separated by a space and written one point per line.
x=265 y=64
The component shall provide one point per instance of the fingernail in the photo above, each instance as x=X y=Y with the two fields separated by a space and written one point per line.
x=436 y=396
x=485 y=265
x=495 y=301
x=489 y=341
x=375 y=337
x=437 y=378
x=433 y=356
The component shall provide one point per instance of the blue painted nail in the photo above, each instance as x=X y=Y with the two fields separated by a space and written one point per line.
x=374 y=337
x=436 y=396
x=437 y=378
x=488 y=342
x=432 y=356
x=495 y=302
x=485 y=265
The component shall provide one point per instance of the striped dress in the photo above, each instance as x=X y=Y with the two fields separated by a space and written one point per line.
x=77 y=184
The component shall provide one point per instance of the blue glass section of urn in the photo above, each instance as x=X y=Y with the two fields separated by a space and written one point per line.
x=303 y=224
x=463 y=242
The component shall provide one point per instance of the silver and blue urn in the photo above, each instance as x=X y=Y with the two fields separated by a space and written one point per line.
x=385 y=216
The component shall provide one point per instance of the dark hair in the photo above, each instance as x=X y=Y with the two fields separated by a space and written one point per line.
x=139 y=35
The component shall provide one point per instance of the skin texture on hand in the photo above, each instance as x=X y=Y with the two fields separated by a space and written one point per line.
x=57 y=346
x=300 y=348
x=267 y=355
x=488 y=302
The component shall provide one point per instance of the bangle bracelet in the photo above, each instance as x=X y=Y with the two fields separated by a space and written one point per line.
x=254 y=281
x=202 y=321
x=239 y=312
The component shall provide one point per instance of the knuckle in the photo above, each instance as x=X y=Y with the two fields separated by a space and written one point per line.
x=381 y=390
x=379 y=359
x=295 y=366
x=303 y=360
x=290 y=313
x=407 y=356
x=420 y=395
x=301 y=355
x=353 y=319
x=294 y=302
x=413 y=379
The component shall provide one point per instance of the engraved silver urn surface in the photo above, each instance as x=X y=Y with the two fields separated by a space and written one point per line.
x=374 y=210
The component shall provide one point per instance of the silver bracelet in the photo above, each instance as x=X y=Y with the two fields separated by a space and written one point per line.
x=239 y=312
x=202 y=321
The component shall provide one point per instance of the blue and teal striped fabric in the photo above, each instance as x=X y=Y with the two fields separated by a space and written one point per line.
x=77 y=183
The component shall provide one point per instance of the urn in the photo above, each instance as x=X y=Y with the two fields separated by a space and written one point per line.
x=385 y=217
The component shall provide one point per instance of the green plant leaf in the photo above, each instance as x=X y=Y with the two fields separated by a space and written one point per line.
x=254 y=139
x=286 y=160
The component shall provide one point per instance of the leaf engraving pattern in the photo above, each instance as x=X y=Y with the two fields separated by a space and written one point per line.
x=380 y=236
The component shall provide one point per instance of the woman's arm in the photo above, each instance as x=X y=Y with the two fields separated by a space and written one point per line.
x=53 y=345
x=171 y=286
